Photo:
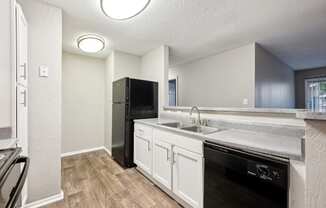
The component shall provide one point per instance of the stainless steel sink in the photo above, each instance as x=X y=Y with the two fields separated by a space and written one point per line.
x=191 y=127
x=173 y=125
x=201 y=129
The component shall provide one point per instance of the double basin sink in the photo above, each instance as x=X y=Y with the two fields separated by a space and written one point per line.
x=191 y=128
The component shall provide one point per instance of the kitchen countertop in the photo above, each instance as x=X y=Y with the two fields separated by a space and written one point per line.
x=7 y=143
x=250 y=110
x=310 y=115
x=269 y=144
x=286 y=112
x=283 y=146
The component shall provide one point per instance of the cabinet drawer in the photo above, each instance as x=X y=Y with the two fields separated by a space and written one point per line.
x=143 y=131
x=188 y=143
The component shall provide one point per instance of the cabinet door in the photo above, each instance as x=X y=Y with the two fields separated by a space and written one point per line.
x=188 y=176
x=22 y=128
x=21 y=44
x=143 y=154
x=162 y=167
x=22 y=121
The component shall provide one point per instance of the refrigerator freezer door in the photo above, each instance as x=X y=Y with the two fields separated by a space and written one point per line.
x=118 y=132
x=143 y=97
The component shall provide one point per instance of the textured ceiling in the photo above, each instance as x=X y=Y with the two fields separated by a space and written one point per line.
x=293 y=30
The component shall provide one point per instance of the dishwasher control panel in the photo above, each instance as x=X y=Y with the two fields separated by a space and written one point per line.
x=266 y=172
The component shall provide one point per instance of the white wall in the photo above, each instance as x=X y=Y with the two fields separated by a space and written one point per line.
x=45 y=48
x=125 y=65
x=108 y=101
x=83 y=99
x=154 y=67
x=117 y=65
x=5 y=64
x=222 y=80
x=315 y=154
x=274 y=81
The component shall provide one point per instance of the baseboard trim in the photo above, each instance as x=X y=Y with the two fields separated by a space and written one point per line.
x=45 y=201
x=67 y=154
x=108 y=151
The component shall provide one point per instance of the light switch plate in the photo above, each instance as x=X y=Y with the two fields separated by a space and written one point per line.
x=43 y=71
x=245 y=101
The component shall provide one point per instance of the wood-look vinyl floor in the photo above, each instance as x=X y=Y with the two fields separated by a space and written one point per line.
x=95 y=180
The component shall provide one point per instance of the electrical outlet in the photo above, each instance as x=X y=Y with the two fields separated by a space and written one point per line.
x=245 y=101
x=43 y=71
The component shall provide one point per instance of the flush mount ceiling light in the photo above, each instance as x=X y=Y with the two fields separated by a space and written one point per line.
x=90 y=43
x=123 y=9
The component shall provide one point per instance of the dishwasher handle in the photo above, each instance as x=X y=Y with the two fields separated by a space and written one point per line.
x=15 y=192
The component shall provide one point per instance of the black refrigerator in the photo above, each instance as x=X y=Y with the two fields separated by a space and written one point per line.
x=132 y=99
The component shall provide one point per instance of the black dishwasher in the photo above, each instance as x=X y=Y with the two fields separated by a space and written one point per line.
x=238 y=179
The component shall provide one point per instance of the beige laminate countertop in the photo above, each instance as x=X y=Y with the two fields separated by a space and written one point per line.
x=286 y=112
x=310 y=115
x=269 y=144
x=7 y=143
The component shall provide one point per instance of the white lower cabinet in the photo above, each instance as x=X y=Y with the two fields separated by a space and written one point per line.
x=173 y=161
x=188 y=176
x=143 y=153
x=162 y=163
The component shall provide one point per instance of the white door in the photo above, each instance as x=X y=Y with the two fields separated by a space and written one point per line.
x=21 y=44
x=188 y=176
x=162 y=167
x=143 y=153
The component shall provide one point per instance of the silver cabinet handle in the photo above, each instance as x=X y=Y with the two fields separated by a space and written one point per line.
x=25 y=95
x=174 y=158
x=148 y=146
x=24 y=66
x=167 y=155
x=167 y=151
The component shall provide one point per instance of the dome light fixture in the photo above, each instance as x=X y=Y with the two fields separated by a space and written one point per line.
x=91 y=43
x=123 y=9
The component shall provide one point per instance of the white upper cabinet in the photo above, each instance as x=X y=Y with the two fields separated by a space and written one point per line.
x=21 y=47
x=162 y=171
x=20 y=72
x=188 y=176
x=22 y=118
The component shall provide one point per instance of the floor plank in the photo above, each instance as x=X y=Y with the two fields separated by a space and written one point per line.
x=95 y=180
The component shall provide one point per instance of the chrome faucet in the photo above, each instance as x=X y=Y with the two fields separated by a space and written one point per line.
x=197 y=122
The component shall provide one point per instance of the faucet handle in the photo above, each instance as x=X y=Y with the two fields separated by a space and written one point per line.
x=204 y=122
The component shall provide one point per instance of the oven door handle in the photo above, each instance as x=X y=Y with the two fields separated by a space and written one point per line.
x=15 y=193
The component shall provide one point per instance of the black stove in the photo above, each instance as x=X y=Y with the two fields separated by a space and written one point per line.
x=9 y=158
